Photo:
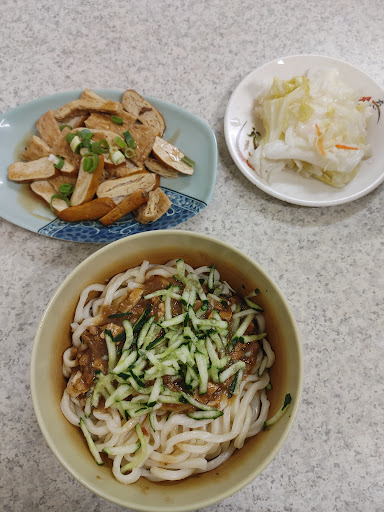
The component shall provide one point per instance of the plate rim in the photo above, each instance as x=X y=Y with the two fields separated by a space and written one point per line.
x=259 y=182
x=76 y=92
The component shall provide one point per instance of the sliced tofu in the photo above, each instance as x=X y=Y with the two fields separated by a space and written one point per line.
x=60 y=180
x=104 y=122
x=122 y=170
x=87 y=184
x=91 y=210
x=170 y=156
x=88 y=94
x=142 y=110
x=37 y=148
x=144 y=136
x=158 y=204
x=48 y=128
x=120 y=188
x=68 y=169
x=129 y=204
x=63 y=149
x=25 y=172
x=82 y=106
x=157 y=167
x=75 y=122
x=45 y=190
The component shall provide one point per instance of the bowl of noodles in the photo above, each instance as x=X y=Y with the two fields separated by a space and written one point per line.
x=166 y=371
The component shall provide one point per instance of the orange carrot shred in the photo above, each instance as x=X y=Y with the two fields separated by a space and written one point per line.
x=342 y=146
x=320 y=141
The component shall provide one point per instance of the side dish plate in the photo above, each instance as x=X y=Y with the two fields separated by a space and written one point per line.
x=287 y=185
x=189 y=194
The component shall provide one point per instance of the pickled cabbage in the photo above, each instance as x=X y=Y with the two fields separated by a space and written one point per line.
x=313 y=124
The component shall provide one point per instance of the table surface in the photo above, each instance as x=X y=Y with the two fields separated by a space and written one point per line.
x=328 y=262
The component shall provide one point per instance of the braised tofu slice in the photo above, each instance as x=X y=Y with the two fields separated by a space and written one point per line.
x=80 y=107
x=74 y=122
x=88 y=94
x=105 y=122
x=91 y=210
x=68 y=169
x=45 y=190
x=122 y=170
x=157 y=167
x=63 y=149
x=171 y=156
x=142 y=110
x=48 y=128
x=118 y=189
x=59 y=180
x=37 y=148
x=25 y=172
x=87 y=183
x=144 y=136
x=129 y=204
x=158 y=204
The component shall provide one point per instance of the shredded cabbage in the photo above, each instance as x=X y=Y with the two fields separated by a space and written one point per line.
x=313 y=124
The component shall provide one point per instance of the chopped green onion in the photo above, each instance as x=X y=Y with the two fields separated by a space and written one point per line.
x=99 y=147
x=119 y=141
x=129 y=140
x=117 y=120
x=75 y=143
x=188 y=161
x=64 y=191
x=87 y=164
x=60 y=163
x=69 y=137
x=62 y=126
x=117 y=157
x=86 y=134
x=87 y=143
x=90 y=162
x=130 y=153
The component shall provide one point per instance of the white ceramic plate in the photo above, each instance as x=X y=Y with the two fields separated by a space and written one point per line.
x=287 y=185
x=188 y=194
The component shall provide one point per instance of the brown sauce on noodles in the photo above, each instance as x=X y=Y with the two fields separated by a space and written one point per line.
x=92 y=358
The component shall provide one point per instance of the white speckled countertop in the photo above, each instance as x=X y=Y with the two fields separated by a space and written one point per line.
x=328 y=262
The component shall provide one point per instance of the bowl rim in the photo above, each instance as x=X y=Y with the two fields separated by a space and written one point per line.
x=216 y=498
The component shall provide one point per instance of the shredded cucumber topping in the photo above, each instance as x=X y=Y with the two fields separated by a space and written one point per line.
x=174 y=356
x=91 y=443
x=280 y=412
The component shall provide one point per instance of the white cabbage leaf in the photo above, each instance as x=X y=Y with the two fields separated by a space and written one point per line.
x=313 y=124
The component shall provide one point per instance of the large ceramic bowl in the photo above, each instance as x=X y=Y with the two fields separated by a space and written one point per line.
x=53 y=336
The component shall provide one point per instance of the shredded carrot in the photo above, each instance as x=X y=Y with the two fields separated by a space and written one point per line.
x=342 y=146
x=320 y=141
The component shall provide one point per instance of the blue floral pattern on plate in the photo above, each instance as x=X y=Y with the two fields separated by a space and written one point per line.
x=183 y=208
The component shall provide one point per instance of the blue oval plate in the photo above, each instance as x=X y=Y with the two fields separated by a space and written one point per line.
x=189 y=194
